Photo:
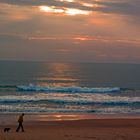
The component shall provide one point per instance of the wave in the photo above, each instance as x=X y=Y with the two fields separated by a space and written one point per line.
x=73 y=89
x=107 y=110
x=70 y=102
x=69 y=89
x=4 y=88
x=8 y=86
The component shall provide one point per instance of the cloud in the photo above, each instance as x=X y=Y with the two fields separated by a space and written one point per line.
x=107 y=6
x=32 y=34
x=125 y=7
x=81 y=39
x=8 y=38
x=99 y=49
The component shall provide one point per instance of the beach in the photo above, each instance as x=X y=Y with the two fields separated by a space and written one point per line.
x=119 y=128
x=66 y=101
x=69 y=69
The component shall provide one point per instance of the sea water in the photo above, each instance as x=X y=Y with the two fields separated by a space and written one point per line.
x=40 y=87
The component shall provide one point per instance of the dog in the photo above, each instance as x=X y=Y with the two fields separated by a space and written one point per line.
x=7 y=129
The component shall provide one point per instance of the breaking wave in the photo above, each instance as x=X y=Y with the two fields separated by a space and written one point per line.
x=80 y=102
x=69 y=89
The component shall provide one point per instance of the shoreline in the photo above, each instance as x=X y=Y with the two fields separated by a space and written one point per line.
x=43 y=117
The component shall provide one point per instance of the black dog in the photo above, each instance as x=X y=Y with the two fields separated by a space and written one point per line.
x=7 y=129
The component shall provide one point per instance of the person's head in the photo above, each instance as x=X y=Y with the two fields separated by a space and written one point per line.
x=22 y=114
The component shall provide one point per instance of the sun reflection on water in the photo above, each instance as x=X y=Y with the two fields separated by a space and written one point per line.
x=58 y=75
x=58 y=117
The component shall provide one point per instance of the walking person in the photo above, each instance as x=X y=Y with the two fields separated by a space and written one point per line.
x=20 y=121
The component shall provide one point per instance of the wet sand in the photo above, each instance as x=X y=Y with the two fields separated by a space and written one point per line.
x=84 y=129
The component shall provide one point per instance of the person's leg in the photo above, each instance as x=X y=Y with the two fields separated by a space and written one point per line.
x=22 y=127
x=18 y=127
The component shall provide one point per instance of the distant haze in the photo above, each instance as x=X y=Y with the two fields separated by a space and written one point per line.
x=70 y=30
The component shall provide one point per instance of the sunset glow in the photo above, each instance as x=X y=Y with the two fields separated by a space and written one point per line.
x=66 y=0
x=66 y=11
x=67 y=30
x=92 y=5
x=76 y=12
x=87 y=4
x=51 y=9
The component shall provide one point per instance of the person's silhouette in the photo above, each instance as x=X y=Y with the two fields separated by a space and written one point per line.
x=20 y=121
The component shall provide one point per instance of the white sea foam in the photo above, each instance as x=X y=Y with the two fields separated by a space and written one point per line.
x=68 y=98
x=69 y=89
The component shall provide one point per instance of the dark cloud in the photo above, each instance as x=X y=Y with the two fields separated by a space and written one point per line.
x=125 y=7
x=45 y=2
x=20 y=22
x=114 y=6
x=7 y=38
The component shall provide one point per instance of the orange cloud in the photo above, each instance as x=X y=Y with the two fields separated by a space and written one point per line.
x=78 y=39
x=15 y=13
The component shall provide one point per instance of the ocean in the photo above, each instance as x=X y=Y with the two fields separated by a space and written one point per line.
x=71 y=88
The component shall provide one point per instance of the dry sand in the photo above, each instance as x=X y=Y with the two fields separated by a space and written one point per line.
x=92 y=129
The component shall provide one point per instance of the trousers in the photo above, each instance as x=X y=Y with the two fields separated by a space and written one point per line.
x=20 y=126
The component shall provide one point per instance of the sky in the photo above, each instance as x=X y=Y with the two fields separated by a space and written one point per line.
x=70 y=30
